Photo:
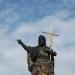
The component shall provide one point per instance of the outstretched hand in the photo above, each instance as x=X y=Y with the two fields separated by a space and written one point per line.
x=19 y=41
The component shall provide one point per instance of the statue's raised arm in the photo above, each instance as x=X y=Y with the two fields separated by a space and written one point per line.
x=27 y=48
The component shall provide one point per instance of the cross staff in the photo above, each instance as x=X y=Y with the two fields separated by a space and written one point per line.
x=50 y=36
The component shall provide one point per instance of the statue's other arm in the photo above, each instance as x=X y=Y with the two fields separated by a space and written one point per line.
x=53 y=52
x=50 y=51
x=23 y=45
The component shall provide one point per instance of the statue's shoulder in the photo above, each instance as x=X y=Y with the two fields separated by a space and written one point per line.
x=36 y=47
x=32 y=47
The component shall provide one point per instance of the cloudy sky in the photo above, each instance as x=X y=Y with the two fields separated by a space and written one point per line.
x=26 y=19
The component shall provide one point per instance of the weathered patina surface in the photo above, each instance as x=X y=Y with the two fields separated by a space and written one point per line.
x=39 y=61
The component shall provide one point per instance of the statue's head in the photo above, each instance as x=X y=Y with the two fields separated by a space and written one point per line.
x=42 y=41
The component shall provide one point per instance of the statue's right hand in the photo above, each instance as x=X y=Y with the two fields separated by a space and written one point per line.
x=19 y=41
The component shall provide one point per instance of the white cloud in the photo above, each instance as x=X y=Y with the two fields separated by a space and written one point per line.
x=3 y=31
x=9 y=15
x=4 y=70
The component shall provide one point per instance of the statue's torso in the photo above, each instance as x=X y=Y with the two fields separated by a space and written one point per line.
x=42 y=56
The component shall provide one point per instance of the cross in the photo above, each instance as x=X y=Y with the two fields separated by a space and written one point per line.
x=51 y=34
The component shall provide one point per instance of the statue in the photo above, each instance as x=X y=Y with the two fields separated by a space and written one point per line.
x=39 y=57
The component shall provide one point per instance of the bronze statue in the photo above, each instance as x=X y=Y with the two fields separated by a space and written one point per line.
x=39 y=57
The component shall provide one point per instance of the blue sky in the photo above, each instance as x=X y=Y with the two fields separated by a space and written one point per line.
x=26 y=19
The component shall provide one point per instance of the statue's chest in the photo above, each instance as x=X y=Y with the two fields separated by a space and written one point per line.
x=42 y=52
